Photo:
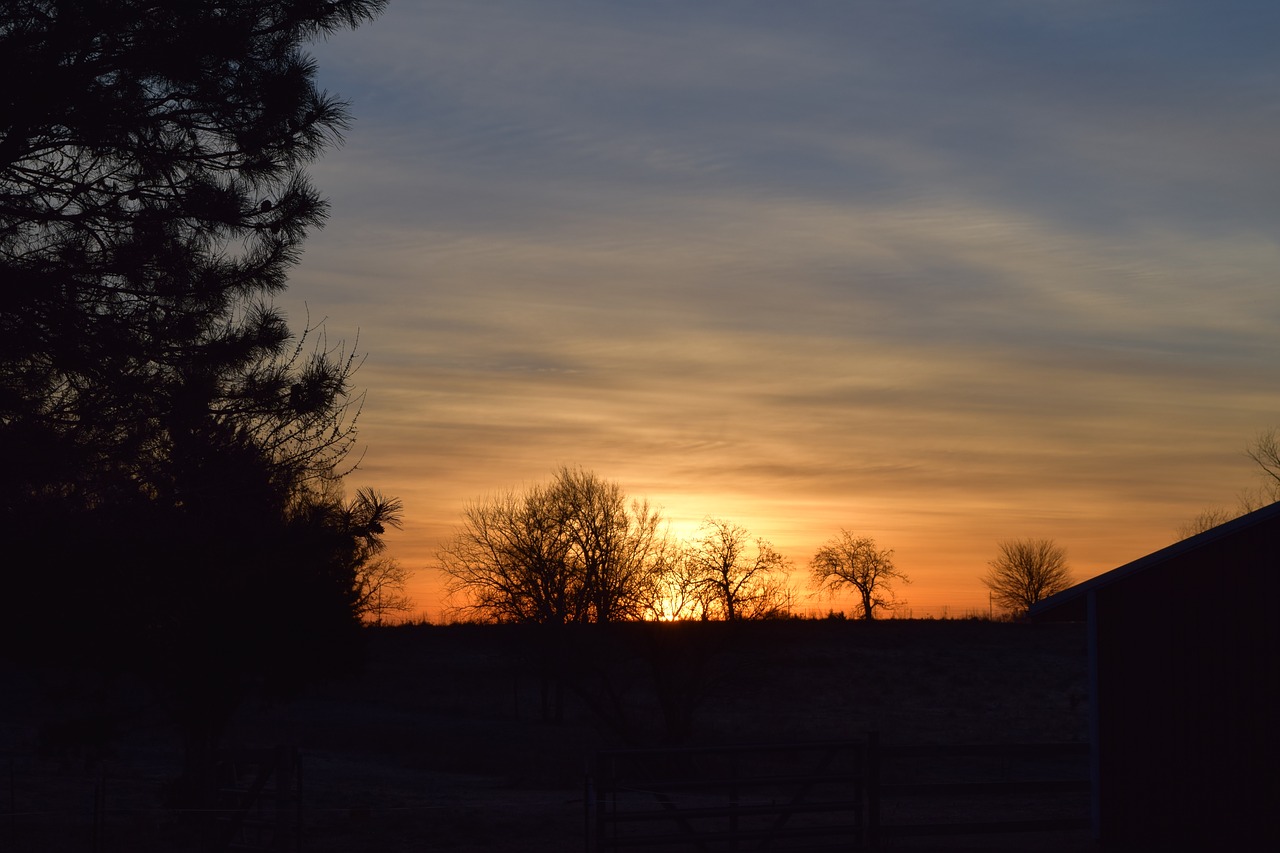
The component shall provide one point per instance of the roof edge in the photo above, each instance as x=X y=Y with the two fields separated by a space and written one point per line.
x=1192 y=543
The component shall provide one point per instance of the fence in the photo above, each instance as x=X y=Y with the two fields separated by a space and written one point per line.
x=51 y=805
x=983 y=789
x=787 y=798
x=846 y=795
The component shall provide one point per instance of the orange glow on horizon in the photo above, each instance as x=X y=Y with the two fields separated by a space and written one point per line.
x=944 y=561
x=758 y=284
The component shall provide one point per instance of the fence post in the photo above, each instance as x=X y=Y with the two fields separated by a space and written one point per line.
x=297 y=801
x=284 y=783
x=873 y=791
x=603 y=784
x=100 y=808
x=733 y=800
x=13 y=800
x=588 y=812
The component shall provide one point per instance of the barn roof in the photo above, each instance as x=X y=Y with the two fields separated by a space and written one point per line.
x=1070 y=603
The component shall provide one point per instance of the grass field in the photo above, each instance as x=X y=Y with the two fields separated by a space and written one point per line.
x=471 y=737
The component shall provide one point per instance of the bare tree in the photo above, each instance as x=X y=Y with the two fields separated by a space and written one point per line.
x=614 y=548
x=1206 y=520
x=1027 y=571
x=508 y=562
x=572 y=550
x=675 y=586
x=855 y=562
x=736 y=577
x=1265 y=453
x=380 y=590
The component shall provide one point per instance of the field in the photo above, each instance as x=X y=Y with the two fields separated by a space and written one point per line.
x=477 y=737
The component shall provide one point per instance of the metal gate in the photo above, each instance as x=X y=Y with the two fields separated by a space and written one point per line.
x=794 y=797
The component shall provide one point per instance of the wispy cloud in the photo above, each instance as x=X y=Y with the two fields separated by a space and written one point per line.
x=945 y=272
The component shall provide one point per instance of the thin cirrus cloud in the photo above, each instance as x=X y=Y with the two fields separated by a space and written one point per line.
x=942 y=273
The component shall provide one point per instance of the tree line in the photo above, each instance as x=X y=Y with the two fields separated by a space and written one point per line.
x=576 y=549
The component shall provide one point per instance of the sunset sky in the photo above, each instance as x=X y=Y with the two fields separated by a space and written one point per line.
x=942 y=273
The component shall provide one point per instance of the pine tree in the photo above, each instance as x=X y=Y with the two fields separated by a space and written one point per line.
x=152 y=199
x=170 y=501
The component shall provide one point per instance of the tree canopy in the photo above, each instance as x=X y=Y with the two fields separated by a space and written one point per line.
x=1025 y=572
x=570 y=550
x=152 y=198
x=575 y=550
x=856 y=562
x=735 y=576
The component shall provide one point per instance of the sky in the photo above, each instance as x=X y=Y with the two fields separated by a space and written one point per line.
x=940 y=273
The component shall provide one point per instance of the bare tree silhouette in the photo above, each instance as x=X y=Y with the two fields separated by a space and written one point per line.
x=571 y=550
x=737 y=577
x=848 y=561
x=1027 y=571
x=380 y=585
x=1265 y=453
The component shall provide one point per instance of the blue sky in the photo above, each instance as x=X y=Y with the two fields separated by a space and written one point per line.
x=942 y=273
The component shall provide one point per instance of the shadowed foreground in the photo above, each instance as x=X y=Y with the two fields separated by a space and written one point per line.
x=453 y=740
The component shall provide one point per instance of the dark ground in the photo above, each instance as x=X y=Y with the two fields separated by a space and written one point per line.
x=450 y=742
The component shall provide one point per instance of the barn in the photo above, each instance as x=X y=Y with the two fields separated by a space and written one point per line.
x=1183 y=651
